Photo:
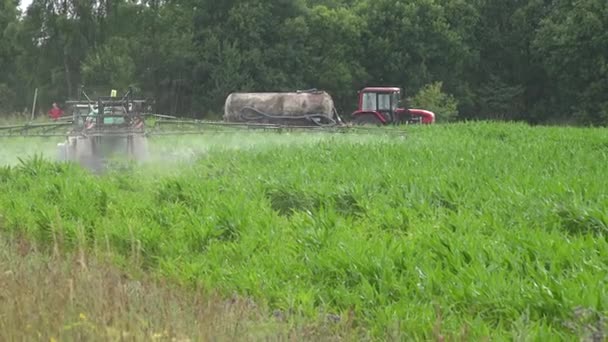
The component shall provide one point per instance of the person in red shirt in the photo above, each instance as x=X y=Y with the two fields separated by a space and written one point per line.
x=55 y=113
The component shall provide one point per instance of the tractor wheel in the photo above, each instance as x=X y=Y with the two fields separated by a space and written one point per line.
x=138 y=150
x=62 y=152
x=416 y=120
x=86 y=153
x=367 y=119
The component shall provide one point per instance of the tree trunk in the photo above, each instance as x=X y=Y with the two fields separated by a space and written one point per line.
x=66 y=65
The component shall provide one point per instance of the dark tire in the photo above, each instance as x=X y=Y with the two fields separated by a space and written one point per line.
x=416 y=120
x=367 y=119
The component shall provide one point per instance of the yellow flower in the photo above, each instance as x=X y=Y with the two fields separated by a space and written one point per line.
x=82 y=316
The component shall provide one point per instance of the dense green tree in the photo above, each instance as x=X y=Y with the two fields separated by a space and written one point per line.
x=238 y=48
x=330 y=53
x=533 y=60
x=509 y=80
x=111 y=64
x=8 y=24
x=573 y=45
x=433 y=98
x=410 y=44
x=54 y=38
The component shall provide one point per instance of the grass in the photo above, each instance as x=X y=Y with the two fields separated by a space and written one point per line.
x=78 y=295
x=463 y=231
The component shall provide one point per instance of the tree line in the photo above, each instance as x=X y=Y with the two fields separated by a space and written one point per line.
x=540 y=61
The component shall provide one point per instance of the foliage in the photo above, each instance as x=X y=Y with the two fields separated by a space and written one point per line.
x=570 y=40
x=7 y=96
x=486 y=230
x=431 y=97
x=534 y=60
x=111 y=65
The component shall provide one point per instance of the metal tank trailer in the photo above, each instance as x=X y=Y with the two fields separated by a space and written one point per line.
x=301 y=108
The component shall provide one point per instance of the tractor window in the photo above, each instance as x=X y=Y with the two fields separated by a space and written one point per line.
x=395 y=100
x=369 y=101
x=384 y=102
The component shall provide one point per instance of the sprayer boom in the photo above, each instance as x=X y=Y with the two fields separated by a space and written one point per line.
x=96 y=130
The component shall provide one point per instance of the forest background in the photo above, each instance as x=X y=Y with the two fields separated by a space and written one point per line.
x=538 y=61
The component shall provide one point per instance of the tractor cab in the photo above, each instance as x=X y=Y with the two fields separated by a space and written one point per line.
x=380 y=106
x=109 y=127
x=108 y=113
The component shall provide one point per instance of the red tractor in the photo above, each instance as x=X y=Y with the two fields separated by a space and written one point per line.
x=379 y=106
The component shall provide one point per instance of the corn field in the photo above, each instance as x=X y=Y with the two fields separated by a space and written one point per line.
x=469 y=230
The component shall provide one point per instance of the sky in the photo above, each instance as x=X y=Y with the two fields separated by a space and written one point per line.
x=24 y=4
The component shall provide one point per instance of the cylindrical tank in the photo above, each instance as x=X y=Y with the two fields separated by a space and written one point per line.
x=285 y=108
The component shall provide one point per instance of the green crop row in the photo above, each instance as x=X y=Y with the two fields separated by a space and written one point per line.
x=475 y=229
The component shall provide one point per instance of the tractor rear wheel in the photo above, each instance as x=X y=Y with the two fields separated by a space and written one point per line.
x=138 y=148
x=367 y=119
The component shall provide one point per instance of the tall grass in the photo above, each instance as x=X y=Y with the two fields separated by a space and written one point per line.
x=466 y=230
x=78 y=296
